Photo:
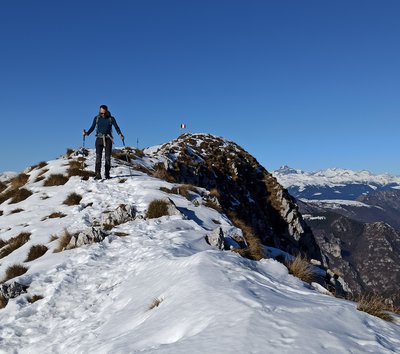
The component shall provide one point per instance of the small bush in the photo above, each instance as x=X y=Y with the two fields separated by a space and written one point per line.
x=161 y=172
x=121 y=234
x=35 y=298
x=19 y=195
x=63 y=241
x=157 y=208
x=19 y=180
x=155 y=303
x=15 y=271
x=301 y=268
x=35 y=252
x=14 y=243
x=69 y=152
x=54 y=216
x=3 y=186
x=55 y=180
x=375 y=306
x=73 y=199
x=3 y=302
x=39 y=165
x=254 y=249
x=15 y=211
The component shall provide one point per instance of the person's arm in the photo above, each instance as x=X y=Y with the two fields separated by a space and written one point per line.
x=91 y=128
x=114 y=122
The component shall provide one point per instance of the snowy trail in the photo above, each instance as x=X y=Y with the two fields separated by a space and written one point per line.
x=97 y=297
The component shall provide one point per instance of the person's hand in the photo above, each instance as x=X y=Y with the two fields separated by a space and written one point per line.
x=84 y=132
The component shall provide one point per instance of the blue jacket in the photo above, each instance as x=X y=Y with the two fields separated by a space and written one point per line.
x=104 y=125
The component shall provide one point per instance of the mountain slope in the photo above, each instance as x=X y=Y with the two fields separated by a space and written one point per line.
x=99 y=298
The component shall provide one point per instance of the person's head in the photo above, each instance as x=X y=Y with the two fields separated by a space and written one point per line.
x=103 y=110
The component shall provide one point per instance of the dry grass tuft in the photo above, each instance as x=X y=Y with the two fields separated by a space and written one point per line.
x=35 y=252
x=35 y=298
x=63 y=241
x=301 y=268
x=3 y=186
x=156 y=209
x=39 y=165
x=254 y=249
x=214 y=193
x=161 y=172
x=19 y=180
x=375 y=306
x=19 y=195
x=16 y=195
x=15 y=211
x=15 y=271
x=73 y=199
x=3 y=302
x=121 y=234
x=155 y=303
x=69 y=152
x=14 y=243
x=54 y=216
x=55 y=180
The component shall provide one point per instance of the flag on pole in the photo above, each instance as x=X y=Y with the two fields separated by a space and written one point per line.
x=183 y=126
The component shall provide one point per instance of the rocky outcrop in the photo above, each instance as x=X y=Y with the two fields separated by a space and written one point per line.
x=86 y=237
x=246 y=190
x=365 y=255
x=120 y=215
x=12 y=290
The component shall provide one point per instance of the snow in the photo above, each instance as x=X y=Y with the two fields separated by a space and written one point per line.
x=97 y=298
x=336 y=203
x=332 y=177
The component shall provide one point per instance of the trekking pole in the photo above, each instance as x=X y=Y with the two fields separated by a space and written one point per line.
x=83 y=150
x=126 y=155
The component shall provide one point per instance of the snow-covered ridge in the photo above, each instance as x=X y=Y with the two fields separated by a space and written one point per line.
x=332 y=177
x=99 y=298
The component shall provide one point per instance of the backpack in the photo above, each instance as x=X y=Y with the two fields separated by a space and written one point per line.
x=109 y=119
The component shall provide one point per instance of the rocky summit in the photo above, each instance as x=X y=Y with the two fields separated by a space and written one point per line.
x=246 y=191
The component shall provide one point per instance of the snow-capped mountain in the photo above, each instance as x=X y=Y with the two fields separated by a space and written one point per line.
x=335 y=183
x=354 y=217
x=153 y=285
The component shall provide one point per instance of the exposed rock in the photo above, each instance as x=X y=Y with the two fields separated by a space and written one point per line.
x=246 y=190
x=87 y=237
x=122 y=214
x=216 y=238
x=10 y=291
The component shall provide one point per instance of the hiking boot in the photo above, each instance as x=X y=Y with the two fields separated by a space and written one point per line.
x=97 y=177
x=108 y=177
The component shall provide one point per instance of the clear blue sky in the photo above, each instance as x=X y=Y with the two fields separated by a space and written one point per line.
x=308 y=83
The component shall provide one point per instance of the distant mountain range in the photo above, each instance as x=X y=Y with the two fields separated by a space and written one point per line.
x=355 y=218
x=334 y=183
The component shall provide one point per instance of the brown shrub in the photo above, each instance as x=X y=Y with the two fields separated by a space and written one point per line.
x=155 y=303
x=54 y=216
x=69 y=152
x=3 y=186
x=156 y=209
x=3 y=302
x=301 y=268
x=15 y=271
x=375 y=306
x=254 y=249
x=161 y=172
x=63 y=241
x=55 y=180
x=15 y=211
x=19 y=195
x=35 y=252
x=73 y=199
x=14 y=243
x=214 y=193
x=19 y=180
x=35 y=298
x=2 y=243
x=39 y=165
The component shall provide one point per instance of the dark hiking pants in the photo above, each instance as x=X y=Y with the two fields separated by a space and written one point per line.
x=99 y=152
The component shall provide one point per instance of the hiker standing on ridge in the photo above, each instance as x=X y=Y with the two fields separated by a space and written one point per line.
x=103 y=123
